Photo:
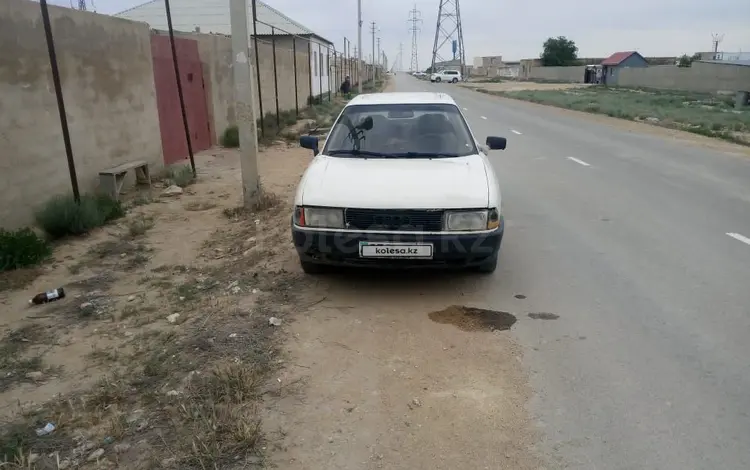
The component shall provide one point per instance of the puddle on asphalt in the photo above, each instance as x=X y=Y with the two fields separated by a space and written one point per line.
x=473 y=319
x=520 y=296
x=543 y=316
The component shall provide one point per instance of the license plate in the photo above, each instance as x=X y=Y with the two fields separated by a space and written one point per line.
x=395 y=250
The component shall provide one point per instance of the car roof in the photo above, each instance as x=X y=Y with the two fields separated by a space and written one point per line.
x=402 y=97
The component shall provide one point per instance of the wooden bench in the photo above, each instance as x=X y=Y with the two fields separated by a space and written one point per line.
x=112 y=179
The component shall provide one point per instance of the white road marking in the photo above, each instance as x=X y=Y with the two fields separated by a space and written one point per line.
x=580 y=162
x=483 y=117
x=465 y=109
x=739 y=237
x=515 y=132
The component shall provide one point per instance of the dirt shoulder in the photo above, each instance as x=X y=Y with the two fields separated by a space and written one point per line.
x=161 y=351
x=195 y=341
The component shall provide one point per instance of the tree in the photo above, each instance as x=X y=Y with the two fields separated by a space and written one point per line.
x=559 y=52
x=687 y=61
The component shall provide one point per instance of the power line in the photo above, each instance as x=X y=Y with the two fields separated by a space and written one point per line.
x=449 y=29
x=415 y=19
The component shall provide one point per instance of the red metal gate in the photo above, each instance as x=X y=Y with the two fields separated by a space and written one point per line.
x=172 y=130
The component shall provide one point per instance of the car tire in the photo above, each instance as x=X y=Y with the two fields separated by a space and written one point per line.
x=437 y=79
x=455 y=80
x=489 y=266
x=311 y=268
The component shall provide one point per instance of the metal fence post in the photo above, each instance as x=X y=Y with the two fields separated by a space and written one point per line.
x=179 y=88
x=328 y=66
x=257 y=68
x=312 y=70
x=320 y=69
x=275 y=77
x=296 y=95
x=343 y=54
x=60 y=101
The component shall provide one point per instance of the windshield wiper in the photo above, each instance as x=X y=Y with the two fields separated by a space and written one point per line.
x=356 y=153
x=423 y=155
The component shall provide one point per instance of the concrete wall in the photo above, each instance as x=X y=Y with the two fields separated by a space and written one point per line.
x=700 y=77
x=708 y=77
x=572 y=74
x=108 y=83
x=216 y=57
x=284 y=73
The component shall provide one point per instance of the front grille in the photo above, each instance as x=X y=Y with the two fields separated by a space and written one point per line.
x=392 y=220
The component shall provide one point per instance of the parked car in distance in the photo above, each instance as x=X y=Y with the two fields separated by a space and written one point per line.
x=452 y=76
x=400 y=182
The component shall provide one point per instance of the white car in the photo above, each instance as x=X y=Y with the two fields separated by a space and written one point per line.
x=401 y=181
x=452 y=76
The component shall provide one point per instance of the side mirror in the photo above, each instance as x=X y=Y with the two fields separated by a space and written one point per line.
x=309 y=142
x=497 y=143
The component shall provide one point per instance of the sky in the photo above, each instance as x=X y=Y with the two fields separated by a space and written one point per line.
x=516 y=29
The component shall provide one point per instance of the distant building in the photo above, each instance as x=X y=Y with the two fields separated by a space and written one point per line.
x=494 y=66
x=488 y=61
x=612 y=65
x=212 y=16
x=448 y=65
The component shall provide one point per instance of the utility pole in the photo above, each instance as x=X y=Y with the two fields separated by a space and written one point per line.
x=244 y=102
x=415 y=19
x=373 y=30
x=379 y=55
x=449 y=29
x=358 y=51
x=715 y=41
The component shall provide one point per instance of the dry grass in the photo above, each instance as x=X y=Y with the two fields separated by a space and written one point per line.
x=15 y=362
x=198 y=393
x=698 y=113
x=18 y=278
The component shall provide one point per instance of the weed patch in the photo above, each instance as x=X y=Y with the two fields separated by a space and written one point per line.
x=139 y=225
x=231 y=137
x=63 y=216
x=271 y=127
x=22 y=248
x=181 y=175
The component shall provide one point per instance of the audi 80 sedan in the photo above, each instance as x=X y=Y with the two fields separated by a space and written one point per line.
x=400 y=181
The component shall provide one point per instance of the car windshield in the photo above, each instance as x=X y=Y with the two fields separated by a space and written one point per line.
x=400 y=131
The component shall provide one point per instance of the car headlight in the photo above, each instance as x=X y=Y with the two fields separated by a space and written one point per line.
x=319 y=217
x=467 y=221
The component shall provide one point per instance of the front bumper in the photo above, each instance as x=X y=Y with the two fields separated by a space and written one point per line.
x=341 y=248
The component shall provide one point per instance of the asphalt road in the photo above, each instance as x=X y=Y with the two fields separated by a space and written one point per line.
x=641 y=244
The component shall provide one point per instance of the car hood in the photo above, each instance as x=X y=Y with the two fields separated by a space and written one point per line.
x=396 y=183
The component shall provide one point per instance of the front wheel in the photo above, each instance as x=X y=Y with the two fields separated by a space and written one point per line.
x=437 y=79
x=455 y=80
